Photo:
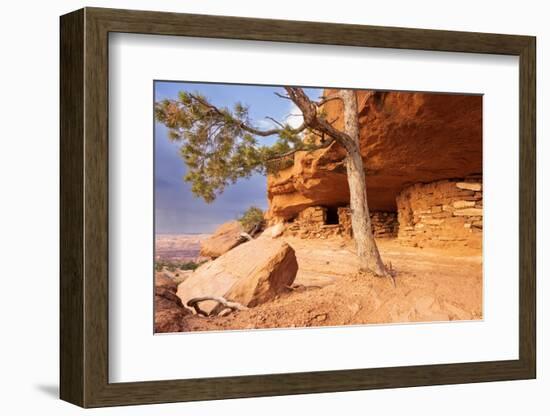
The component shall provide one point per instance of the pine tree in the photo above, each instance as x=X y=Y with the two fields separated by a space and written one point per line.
x=221 y=145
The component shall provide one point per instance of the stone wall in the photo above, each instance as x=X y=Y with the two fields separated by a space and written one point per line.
x=384 y=224
x=313 y=215
x=344 y=219
x=441 y=213
x=315 y=222
x=312 y=223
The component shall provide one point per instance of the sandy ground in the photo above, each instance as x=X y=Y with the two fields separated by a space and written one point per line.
x=431 y=285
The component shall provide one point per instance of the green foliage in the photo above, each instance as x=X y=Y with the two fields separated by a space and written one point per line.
x=251 y=217
x=173 y=266
x=215 y=145
x=274 y=166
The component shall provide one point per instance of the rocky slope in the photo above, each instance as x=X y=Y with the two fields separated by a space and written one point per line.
x=405 y=138
x=169 y=310
x=432 y=285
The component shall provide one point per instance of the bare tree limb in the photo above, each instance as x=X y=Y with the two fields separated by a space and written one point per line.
x=391 y=274
x=256 y=228
x=324 y=145
x=224 y=303
x=276 y=122
x=325 y=100
x=286 y=97
x=314 y=122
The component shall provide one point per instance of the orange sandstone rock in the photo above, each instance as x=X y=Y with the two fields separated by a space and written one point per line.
x=406 y=138
x=225 y=237
x=250 y=274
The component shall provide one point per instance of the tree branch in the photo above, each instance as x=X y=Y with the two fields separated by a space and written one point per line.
x=222 y=305
x=314 y=122
x=275 y=121
x=318 y=125
x=250 y=129
x=323 y=145
x=325 y=100
x=286 y=97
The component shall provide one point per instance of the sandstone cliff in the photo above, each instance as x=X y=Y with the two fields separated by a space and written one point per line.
x=406 y=138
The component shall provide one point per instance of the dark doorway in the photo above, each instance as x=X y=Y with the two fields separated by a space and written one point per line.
x=332 y=216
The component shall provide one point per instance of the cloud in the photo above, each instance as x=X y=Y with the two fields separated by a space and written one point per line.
x=294 y=117
x=264 y=123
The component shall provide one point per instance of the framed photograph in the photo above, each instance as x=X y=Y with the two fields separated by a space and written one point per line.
x=255 y=207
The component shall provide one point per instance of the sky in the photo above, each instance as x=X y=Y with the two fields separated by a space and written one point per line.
x=177 y=210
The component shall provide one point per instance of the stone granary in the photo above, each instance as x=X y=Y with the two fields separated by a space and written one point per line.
x=423 y=160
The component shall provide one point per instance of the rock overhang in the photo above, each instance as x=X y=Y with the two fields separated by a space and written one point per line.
x=406 y=138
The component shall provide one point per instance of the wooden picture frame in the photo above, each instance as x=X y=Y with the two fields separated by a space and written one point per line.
x=84 y=207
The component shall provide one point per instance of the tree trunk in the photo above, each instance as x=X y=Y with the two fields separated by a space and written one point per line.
x=369 y=256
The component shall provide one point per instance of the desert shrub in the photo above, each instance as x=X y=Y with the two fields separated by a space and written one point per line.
x=160 y=265
x=251 y=218
x=190 y=265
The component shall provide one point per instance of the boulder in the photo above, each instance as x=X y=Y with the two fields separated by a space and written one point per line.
x=405 y=138
x=225 y=237
x=169 y=311
x=274 y=231
x=250 y=274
